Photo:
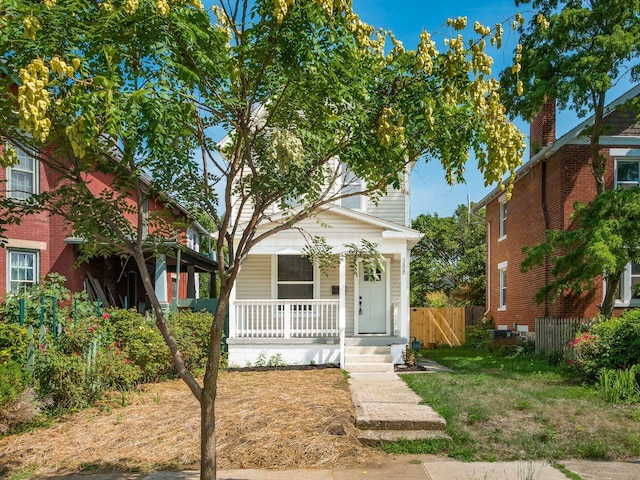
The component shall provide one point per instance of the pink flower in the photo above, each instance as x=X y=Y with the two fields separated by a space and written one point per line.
x=105 y=316
x=76 y=354
x=126 y=360
x=70 y=319
x=90 y=329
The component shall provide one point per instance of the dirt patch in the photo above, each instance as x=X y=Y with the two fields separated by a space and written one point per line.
x=274 y=419
x=402 y=368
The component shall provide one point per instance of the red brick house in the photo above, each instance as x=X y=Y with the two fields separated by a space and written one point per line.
x=41 y=244
x=547 y=185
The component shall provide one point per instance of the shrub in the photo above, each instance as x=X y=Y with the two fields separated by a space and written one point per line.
x=477 y=336
x=191 y=331
x=76 y=380
x=13 y=381
x=138 y=336
x=611 y=344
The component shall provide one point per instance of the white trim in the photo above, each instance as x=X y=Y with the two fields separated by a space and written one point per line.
x=607 y=140
x=502 y=267
x=274 y=276
x=356 y=299
x=625 y=152
x=36 y=265
x=342 y=309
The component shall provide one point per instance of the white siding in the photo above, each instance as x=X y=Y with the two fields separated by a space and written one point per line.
x=391 y=207
x=254 y=280
x=395 y=288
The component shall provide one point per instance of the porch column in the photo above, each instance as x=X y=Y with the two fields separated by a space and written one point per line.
x=161 y=282
x=232 y=309
x=403 y=314
x=191 y=281
x=342 y=308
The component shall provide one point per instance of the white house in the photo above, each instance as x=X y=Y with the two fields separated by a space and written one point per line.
x=283 y=305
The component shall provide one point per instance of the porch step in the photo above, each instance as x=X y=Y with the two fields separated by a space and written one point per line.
x=368 y=359
x=372 y=437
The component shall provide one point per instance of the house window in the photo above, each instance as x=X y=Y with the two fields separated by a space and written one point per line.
x=503 y=217
x=629 y=289
x=627 y=173
x=22 y=269
x=23 y=177
x=295 y=277
x=145 y=218
x=502 y=271
x=350 y=184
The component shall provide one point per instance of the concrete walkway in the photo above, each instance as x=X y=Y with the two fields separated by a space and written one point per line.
x=388 y=410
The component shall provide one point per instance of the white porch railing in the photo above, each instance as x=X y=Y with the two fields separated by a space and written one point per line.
x=285 y=319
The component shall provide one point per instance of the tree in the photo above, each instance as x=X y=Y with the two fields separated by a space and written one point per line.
x=602 y=240
x=450 y=258
x=574 y=51
x=136 y=89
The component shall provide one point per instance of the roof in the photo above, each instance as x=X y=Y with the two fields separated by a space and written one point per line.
x=390 y=229
x=571 y=137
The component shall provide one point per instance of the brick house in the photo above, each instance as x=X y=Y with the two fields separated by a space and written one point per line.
x=41 y=244
x=556 y=175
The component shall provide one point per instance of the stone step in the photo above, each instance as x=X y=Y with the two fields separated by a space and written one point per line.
x=397 y=416
x=367 y=358
x=361 y=367
x=367 y=350
x=369 y=437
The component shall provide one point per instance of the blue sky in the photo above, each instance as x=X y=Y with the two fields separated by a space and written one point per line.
x=407 y=18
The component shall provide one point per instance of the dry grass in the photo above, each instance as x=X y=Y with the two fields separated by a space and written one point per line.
x=279 y=419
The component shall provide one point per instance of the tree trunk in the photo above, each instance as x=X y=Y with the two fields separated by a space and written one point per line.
x=612 y=283
x=208 y=456
x=208 y=435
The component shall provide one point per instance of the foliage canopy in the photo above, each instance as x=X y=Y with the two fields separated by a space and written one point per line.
x=131 y=93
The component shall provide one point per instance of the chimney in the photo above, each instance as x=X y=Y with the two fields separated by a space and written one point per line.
x=542 y=130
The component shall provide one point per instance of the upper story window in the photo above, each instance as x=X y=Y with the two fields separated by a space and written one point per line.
x=22 y=269
x=295 y=277
x=502 y=300
x=502 y=205
x=193 y=239
x=350 y=184
x=23 y=177
x=628 y=173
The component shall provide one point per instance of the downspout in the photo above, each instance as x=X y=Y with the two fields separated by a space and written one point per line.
x=488 y=267
x=545 y=216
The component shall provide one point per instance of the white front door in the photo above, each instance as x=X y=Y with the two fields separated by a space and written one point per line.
x=372 y=302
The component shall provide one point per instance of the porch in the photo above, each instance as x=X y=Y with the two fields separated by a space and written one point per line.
x=301 y=332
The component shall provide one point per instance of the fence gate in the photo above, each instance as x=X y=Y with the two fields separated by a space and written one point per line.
x=443 y=325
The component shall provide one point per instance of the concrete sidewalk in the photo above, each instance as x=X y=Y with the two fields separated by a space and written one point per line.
x=407 y=467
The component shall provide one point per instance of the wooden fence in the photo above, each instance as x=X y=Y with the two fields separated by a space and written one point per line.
x=553 y=334
x=438 y=326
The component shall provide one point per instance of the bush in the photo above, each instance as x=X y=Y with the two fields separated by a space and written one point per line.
x=477 y=337
x=138 y=336
x=191 y=331
x=612 y=344
x=14 y=380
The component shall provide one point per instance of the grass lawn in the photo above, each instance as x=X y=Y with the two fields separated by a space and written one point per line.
x=506 y=408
